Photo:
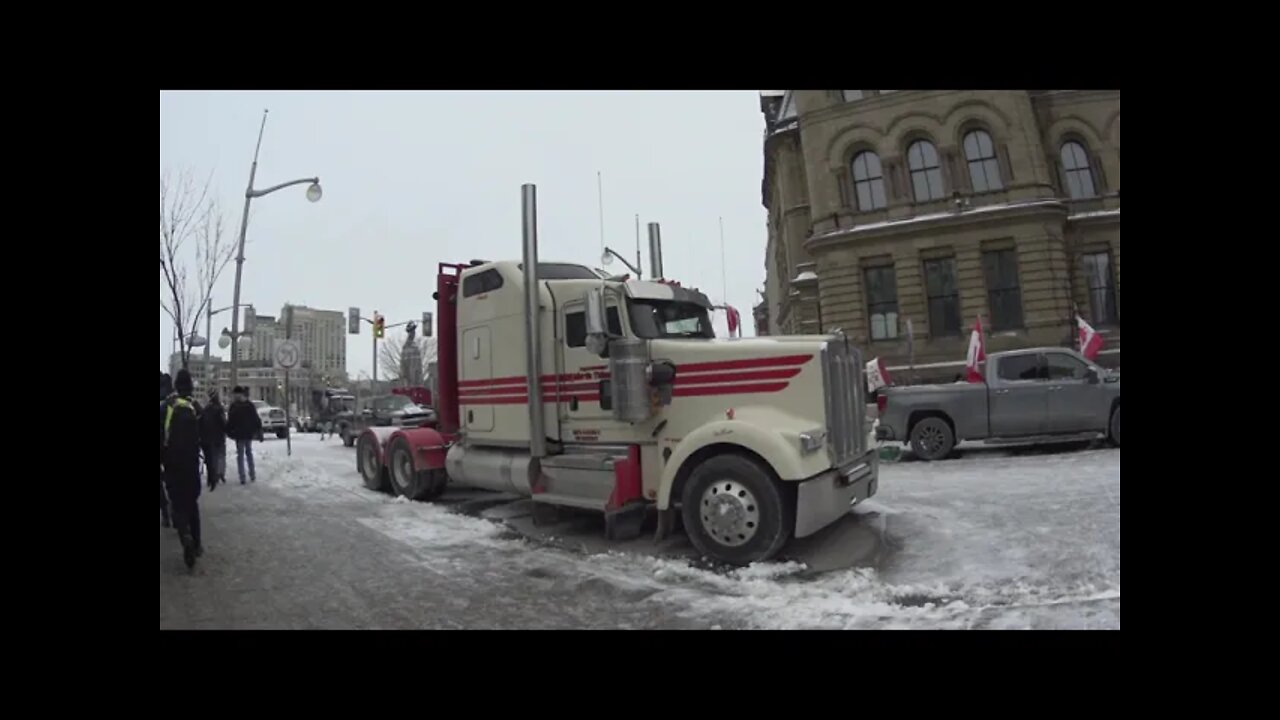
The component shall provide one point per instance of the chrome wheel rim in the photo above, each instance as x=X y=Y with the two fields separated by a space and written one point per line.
x=730 y=513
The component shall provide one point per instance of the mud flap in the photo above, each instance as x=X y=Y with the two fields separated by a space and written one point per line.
x=625 y=522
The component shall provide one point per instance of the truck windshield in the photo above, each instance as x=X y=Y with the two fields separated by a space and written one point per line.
x=342 y=404
x=668 y=319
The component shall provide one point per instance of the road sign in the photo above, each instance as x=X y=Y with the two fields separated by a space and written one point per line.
x=288 y=354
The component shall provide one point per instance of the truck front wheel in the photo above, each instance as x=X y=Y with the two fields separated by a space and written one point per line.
x=1115 y=427
x=735 y=511
x=348 y=439
x=932 y=439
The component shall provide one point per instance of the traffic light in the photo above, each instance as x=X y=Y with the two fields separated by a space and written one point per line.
x=379 y=325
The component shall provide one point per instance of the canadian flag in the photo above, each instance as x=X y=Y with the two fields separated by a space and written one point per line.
x=1090 y=341
x=976 y=353
x=732 y=318
x=877 y=375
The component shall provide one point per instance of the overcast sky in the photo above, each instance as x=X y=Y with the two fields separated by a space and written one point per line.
x=415 y=178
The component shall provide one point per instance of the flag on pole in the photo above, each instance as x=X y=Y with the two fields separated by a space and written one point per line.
x=731 y=316
x=1090 y=341
x=877 y=375
x=977 y=353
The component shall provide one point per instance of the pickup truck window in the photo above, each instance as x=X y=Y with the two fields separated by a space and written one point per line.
x=1065 y=367
x=1021 y=367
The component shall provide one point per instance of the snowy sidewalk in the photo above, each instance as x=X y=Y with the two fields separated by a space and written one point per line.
x=983 y=541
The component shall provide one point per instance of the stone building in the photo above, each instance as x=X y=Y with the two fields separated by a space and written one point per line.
x=925 y=209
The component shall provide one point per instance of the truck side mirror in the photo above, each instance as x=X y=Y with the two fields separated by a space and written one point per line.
x=426 y=324
x=597 y=329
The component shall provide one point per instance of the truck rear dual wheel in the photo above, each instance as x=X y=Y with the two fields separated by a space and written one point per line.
x=411 y=483
x=932 y=439
x=371 y=469
x=735 y=511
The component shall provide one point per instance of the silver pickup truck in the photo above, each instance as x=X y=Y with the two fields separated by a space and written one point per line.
x=1036 y=395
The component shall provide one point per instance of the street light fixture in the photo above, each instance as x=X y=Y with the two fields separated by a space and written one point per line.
x=314 y=193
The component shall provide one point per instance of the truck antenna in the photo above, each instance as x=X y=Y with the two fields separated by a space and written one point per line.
x=600 y=197
x=638 y=265
x=724 y=282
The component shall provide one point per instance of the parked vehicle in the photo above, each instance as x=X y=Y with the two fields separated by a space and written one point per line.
x=387 y=411
x=273 y=419
x=1030 y=396
x=329 y=406
x=610 y=394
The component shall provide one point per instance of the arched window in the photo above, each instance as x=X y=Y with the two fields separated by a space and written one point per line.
x=926 y=173
x=984 y=171
x=868 y=181
x=1076 y=171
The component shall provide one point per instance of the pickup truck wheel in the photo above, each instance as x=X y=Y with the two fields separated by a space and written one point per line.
x=1115 y=427
x=411 y=483
x=370 y=464
x=932 y=439
x=282 y=434
x=735 y=511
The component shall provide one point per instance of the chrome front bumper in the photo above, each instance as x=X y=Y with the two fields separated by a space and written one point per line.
x=826 y=498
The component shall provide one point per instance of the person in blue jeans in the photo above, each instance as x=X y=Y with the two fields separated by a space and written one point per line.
x=243 y=426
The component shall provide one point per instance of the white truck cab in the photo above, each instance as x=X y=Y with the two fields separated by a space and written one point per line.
x=614 y=395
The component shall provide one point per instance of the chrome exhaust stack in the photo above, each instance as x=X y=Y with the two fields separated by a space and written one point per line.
x=533 y=335
x=655 y=252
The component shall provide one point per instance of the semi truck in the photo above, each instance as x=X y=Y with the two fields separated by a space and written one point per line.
x=577 y=389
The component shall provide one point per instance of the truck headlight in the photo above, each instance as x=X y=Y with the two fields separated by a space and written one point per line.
x=812 y=441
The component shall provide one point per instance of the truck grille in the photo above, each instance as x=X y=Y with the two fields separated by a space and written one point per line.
x=844 y=387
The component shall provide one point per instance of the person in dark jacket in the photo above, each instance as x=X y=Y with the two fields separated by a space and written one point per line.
x=166 y=389
x=213 y=438
x=243 y=426
x=180 y=456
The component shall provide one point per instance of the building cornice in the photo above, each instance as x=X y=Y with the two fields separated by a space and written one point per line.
x=973 y=216
x=1096 y=217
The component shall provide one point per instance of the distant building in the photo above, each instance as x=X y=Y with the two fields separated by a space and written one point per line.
x=322 y=335
x=929 y=208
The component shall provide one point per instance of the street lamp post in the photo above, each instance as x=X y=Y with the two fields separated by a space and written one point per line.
x=208 y=330
x=313 y=194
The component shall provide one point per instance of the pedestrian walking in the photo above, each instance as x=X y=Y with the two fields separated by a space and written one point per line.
x=180 y=456
x=166 y=389
x=213 y=438
x=243 y=426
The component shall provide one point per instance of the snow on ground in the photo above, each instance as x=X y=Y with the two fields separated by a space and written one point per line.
x=989 y=540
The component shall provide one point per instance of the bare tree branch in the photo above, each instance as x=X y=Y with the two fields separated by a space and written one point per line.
x=392 y=349
x=188 y=212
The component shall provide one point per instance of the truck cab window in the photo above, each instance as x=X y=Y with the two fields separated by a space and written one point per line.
x=575 y=326
x=666 y=319
x=481 y=283
x=1021 y=367
x=1065 y=367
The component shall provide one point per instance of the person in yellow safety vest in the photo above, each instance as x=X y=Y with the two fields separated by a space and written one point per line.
x=180 y=458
